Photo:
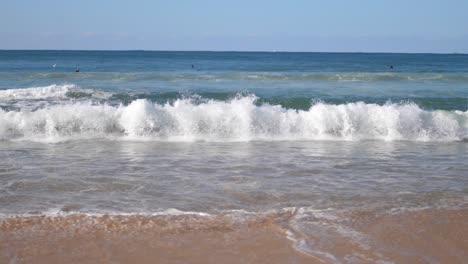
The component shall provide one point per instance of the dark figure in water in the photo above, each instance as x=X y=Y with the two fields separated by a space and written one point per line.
x=77 y=70
x=193 y=67
x=391 y=67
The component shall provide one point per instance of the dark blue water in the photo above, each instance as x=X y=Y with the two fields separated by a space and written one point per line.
x=170 y=61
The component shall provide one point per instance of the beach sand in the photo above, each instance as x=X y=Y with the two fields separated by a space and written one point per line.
x=424 y=236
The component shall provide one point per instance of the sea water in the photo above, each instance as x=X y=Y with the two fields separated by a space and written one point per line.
x=317 y=137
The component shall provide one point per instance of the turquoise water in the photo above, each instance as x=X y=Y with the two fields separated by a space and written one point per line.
x=293 y=80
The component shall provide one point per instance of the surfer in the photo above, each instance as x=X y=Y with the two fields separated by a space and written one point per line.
x=391 y=67
x=77 y=70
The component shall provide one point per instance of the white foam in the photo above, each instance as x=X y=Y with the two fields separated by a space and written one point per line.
x=57 y=212
x=53 y=91
x=236 y=120
x=46 y=92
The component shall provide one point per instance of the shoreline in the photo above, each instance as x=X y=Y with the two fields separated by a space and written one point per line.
x=295 y=236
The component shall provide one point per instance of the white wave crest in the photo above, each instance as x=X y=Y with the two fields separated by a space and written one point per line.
x=236 y=120
x=51 y=91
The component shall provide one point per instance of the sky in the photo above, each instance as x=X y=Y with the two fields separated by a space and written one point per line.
x=439 y=26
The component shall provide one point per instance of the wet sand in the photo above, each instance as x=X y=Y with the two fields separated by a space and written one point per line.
x=144 y=239
x=425 y=236
x=421 y=237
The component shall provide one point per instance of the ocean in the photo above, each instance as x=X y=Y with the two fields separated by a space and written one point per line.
x=233 y=157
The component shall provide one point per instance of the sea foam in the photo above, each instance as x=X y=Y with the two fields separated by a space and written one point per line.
x=239 y=119
x=51 y=92
x=34 y=93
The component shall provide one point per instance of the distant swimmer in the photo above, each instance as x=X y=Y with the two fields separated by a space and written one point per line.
x=391 y=67
x=193 y=67
x=77 y=70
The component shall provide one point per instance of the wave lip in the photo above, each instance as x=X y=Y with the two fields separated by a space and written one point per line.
x=239 y=119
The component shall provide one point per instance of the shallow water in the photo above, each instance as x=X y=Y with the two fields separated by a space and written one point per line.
x=147 y=176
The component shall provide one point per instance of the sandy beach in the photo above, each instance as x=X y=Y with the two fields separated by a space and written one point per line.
x=425 y=236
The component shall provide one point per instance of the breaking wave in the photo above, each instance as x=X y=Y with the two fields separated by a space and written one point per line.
x=53 y=91
x=34 y=93
x=238 y=119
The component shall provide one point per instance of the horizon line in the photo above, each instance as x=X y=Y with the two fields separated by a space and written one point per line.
x=240 y=51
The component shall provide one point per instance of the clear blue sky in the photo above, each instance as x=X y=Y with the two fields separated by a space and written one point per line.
x=301 y=25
